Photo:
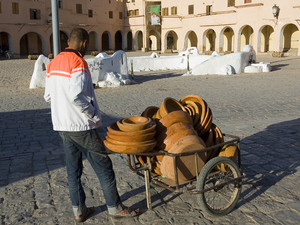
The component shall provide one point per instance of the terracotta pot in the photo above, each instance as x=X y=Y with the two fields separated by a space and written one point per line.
x=134 y=123
x=229 y=151
x=186 y=164
x=129 y=143
x=194 y=98
x=170 y=105
x=174 y=133
x=150 y=111
x=156 y=117
x=197 y=111
x=114 y=129
x=171 y=118
x=218 y=139
x=136 y=138
x=206 y=124
x=127 y=149
x=190 y=111
x=208 y=138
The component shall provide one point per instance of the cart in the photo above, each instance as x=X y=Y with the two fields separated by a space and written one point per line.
x=217 y=190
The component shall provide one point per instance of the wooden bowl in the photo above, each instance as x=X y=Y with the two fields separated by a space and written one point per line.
x=134 y=123
x=114 y=129
x=117 y=142
x=197 y=111
x=186 y=164
x=170 y=105
x=171 y=118
x=150 y=111
x=135 y=138
x=229 y=151
x=130 y=149
x=174 y=133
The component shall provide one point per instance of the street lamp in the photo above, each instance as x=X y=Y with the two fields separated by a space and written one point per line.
x=275 y=10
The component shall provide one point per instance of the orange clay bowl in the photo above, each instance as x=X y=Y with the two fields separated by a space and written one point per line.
x=134 y=138
x=171 y=118
x=185 y=164
x=169 y=105
x=130 y=149
x=197 y=111
x=114 y=129
x=117 y=142
x=174 y=133
x=150 y=111
x=134 y=123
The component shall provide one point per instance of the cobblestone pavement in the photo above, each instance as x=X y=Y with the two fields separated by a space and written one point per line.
x=263 y=109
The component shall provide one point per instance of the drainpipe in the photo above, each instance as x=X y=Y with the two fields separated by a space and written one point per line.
x=55 y=27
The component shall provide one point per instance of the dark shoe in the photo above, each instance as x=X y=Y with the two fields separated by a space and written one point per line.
x=126 y=213
x=83 y=217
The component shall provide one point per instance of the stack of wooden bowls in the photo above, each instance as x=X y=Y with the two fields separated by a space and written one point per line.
x=175 y=133
x=202 y=121
x=181 y=126
x=131 y=135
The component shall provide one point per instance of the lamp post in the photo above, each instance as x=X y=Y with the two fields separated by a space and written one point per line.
x=55 y=27
x=275 y=10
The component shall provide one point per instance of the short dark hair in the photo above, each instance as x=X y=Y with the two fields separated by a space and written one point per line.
x=78 y=35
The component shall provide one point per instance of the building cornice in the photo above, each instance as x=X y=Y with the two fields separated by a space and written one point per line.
x=249 y=5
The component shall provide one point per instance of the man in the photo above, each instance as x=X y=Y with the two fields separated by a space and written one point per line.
x=76 y=115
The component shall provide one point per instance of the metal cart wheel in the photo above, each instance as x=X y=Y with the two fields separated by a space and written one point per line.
x=221 y=196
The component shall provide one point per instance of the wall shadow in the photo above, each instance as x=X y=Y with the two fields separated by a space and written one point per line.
x=268 y=158
x=141 y=78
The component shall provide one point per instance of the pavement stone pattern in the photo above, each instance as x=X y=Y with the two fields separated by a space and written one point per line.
x=263 y=109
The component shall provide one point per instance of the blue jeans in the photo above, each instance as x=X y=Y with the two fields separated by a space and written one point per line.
x=79 y=143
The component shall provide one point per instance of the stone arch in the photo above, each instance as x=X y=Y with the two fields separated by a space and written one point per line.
x=154 y=36
x=118 y=40
x=139 y=40
x=5 y=41
x=63 y=40
x=190 y=40
x=289 y=38
x=31 y=43
x=171 y=39
x=106 y=40
x=129 y=40
x=209 y=40
x=246 y=36
x=226 y=40
x=93 y=45
x=266 y=39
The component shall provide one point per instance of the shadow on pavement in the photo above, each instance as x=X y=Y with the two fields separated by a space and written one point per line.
x=269 y=158
x=153 y=76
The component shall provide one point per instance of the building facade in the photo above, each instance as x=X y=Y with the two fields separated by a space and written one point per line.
x=210 y=25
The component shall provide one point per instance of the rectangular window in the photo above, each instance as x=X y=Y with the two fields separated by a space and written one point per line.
x=110 y=15
x=0 y=8
x=120 y=15
x=231 y=3
x=35 y=14
x=109 y=1
x=136 y=12
x=79 y=8
x=15 y=8
x=133 y=1
x=191 y=9
x=60 y=4
x=90 y=13
x=165 y=11
x=174 y=10
x=208 y=9
x=248 y=1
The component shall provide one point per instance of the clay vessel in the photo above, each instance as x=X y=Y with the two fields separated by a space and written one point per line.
x=174 y=133
x=136 y=138
x=170 y=105
x=171 y=118
x=134 y=123
x=150 y=111
x=129 y=143
x=185 y=165
x=126 y=149
x=229 y=151
x=114 y=129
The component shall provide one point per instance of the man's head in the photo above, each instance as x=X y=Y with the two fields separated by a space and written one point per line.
x=79 y=40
